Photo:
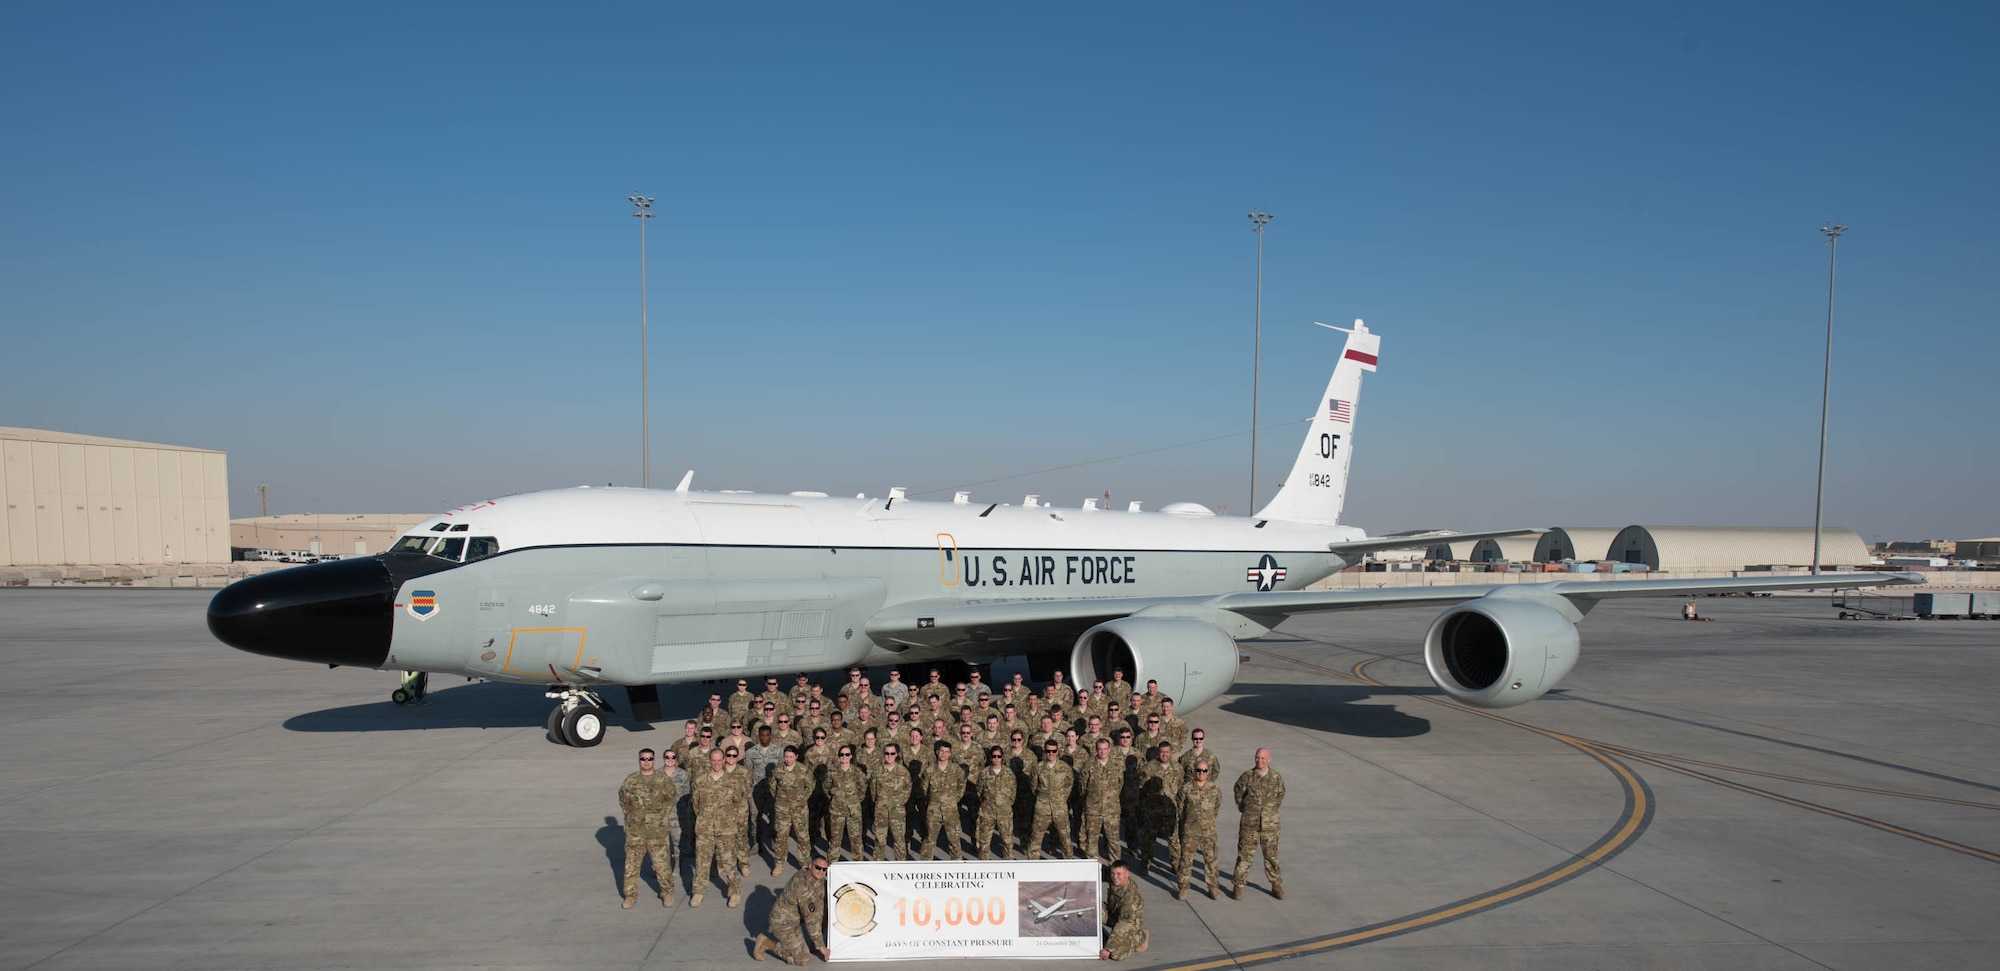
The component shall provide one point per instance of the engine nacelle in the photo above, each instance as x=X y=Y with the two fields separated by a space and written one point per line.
x=1193 y=660
x=1497 y=653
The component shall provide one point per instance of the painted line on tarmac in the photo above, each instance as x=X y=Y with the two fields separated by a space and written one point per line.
x=1636 y=816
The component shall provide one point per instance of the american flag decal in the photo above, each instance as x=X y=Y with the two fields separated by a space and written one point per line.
x=1340 y=411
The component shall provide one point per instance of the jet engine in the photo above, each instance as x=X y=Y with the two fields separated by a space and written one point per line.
x=1498 y=653
x=1193 y=660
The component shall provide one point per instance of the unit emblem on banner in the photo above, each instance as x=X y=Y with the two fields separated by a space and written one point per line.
x=854 y=909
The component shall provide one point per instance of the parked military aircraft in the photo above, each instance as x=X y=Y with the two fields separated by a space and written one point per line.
x=1045 y=913
x=582 y=589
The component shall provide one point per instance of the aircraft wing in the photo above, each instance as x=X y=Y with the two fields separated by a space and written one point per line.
x=1354 y=551
x=941 y=622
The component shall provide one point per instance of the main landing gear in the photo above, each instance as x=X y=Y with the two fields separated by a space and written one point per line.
x=578 y=719
x=415 y=684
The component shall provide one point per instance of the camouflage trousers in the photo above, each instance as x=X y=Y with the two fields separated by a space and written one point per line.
x=991 y=825
x=945 y=831
x=791 y=940
x=844 y=825
x=1250 y=837
x=892 y=837
x=1099 y=826
x=1123 y=942
x=1056 y=816
x=788 y=823
x=1197 y=840
x=717 y=850
x=637 y=848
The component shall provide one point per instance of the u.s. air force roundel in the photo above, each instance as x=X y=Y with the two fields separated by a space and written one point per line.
x=1266 y=573
x=424 y=604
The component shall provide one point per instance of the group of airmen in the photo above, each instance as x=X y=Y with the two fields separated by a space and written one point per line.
x=1105 y=772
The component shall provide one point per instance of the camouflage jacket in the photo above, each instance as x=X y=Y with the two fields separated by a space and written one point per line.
x=1102 y=784
x=844 y=787
x=1198 y=805
x=890 y=790
x=792 y=785
x=996 y=790
x=1259 y=797
x=1053 y=782
x=944 y=785
x=715 y=809
x=803 y=902
x=648 y=802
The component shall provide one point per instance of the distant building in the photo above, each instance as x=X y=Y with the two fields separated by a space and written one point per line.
x=1507 y=549
x=1985 y=550
x=1725 y=548
x=82 y=499
x=1574 y=543
x=348 y=534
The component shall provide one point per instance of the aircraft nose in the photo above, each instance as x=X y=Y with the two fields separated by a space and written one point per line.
x=339 y=612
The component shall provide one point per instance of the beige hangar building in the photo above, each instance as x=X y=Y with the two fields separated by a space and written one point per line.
x=82 y=499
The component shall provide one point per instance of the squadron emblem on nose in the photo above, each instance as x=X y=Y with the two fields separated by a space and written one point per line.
x=1266 y=573
x=424 y=604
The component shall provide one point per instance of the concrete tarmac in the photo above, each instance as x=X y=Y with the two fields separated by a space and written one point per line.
x=1775 y=789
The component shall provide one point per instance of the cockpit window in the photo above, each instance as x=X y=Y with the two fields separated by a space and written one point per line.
x=450 y=549
x=453 y=548
x=410 y=544
x=481 y=547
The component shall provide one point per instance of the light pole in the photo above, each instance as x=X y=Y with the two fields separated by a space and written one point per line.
x=1258 y=218
x=316 y=520
x=1826 y=382
x=642 y=211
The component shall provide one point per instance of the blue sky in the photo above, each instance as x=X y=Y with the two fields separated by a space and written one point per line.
x=381 y=254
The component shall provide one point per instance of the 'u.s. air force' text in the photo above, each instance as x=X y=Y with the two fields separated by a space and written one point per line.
x=1039 y=569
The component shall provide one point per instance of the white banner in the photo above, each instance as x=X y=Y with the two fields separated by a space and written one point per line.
x=970 y=909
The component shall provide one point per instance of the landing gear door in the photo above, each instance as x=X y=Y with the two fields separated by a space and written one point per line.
x=951 y=568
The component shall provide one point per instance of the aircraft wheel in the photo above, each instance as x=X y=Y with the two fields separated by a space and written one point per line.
x=583 y=727
x=399 y=696
x=556 y=726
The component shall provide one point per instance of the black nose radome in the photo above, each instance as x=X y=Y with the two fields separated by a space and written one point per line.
x=331 y=613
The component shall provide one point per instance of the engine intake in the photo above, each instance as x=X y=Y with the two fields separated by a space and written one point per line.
x=1193 y=660
x=1492 y=653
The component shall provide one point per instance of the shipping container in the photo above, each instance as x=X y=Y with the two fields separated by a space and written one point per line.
x=1985 y=604
x=1941 y=604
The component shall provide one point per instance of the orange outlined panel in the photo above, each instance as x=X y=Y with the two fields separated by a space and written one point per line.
x=544 y=646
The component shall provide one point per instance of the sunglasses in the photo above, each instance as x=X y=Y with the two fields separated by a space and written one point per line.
x=818 y=869
x=645 y=758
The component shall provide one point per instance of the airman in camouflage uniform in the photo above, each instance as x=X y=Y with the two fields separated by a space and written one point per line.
x=792 y=785
x=1118 y=690
x=1197 y=805
x=996 y=789
x=1259 y=793
x=718 y=823
x=1201 y=751
x=1124 y=916
x=1053 y=781
x=1099 y=781
x=1059 y=692
x=739 y=776
x=739 y=703
x=761 y=759
x=944 y=788
x=889 y=789
x=844 y=786
x=798 y=914
x=647 y=797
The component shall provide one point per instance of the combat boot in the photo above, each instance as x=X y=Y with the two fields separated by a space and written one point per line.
x=1214 y=891
x=1180 y=892
x=1145 y=940
x=763 y=944
x=666 y=900
x=1236 y=890
x=735 y=900
x=777 y=869
x=694 y=901
x=1278 y=892
x=630 y=901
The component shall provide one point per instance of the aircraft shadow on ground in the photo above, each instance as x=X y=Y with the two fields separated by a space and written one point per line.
x=465 y=706
x=1333 y=708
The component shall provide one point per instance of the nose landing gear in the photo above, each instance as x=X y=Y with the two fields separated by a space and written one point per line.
x=578 y=718
x=415 y=684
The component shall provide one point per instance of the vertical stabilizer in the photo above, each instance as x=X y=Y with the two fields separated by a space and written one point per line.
x=1317 y=487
